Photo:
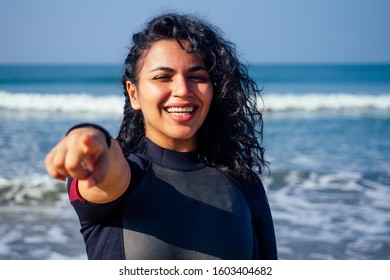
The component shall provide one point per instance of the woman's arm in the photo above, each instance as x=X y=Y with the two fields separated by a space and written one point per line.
x=102 y=172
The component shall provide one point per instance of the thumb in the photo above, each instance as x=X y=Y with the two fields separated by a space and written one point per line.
x=96 y=159
x=98 y=170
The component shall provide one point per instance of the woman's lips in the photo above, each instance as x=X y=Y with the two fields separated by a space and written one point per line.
x=181 y=113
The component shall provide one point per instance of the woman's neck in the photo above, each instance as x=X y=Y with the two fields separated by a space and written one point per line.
x=178 y=145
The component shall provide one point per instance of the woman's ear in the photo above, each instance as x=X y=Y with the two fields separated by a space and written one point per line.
x=132 y=92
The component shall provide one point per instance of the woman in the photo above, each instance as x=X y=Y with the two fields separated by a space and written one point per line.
x=179 y=180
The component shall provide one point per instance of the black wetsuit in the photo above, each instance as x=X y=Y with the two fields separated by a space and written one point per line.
x=177 y=208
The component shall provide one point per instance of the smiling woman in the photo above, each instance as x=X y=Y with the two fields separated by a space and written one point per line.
x=174 y=92
x=180 y=180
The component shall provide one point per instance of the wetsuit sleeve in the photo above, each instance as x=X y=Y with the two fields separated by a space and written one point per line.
x=262 y=221
x=88 y=212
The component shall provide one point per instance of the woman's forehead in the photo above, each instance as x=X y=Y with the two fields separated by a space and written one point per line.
x=170 y=53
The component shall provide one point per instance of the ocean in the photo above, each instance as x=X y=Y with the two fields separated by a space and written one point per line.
x=326 y=135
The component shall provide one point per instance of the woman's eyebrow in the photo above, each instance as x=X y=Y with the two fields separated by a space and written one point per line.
x=162 y=68
x=168 y=69
x=197 y=68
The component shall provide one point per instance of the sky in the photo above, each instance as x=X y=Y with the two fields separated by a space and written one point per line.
x=264 y=31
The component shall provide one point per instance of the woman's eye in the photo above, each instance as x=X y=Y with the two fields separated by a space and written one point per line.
x=198 y=78
x=162 y=78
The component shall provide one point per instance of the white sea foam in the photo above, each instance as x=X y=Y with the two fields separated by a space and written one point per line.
x=113 y=105
x=318 y=101
x=61 y=103
x=344 y=210
x=36 y=190
x=40 y=232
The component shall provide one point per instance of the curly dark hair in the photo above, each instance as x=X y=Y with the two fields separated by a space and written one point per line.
x=230 y=138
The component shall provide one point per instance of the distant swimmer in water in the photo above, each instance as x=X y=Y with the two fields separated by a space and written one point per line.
x=180 y=181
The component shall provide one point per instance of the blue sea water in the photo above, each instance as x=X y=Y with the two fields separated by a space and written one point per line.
x=326 y=134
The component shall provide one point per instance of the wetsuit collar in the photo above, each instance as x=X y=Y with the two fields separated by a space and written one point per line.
x=182 y=161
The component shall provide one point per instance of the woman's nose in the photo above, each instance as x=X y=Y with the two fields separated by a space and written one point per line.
x=181 y=87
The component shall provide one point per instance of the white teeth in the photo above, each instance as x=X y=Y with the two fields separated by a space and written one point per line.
x=180 y=110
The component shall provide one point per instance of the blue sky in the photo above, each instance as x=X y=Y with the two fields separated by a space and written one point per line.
x=265 y=31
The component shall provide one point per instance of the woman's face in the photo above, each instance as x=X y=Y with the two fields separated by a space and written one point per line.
x=174 y=93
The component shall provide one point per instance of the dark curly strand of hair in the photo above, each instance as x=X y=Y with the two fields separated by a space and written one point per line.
x=231 y=136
